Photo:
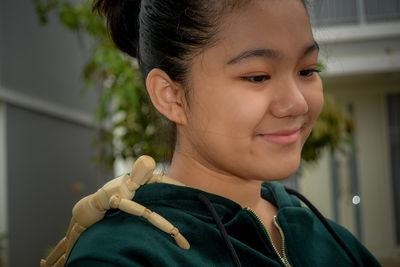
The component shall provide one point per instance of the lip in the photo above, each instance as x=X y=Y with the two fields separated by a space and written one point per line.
x=282 y=137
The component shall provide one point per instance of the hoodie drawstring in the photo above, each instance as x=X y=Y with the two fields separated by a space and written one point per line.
x=221 y=228
x=232 y=250
x=326 y=224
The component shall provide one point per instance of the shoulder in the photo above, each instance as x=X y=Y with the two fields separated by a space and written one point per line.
x=301 y=223
x=120 y=239
x=358 y=249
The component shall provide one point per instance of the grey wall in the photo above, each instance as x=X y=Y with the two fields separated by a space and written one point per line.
x=44 y=62
x=46 y=154
x=46 y=157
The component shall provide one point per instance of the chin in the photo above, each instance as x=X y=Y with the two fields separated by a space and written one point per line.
x=282 y=175
x=281 y=171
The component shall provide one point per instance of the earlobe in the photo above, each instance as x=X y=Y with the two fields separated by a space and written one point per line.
x=166 y=96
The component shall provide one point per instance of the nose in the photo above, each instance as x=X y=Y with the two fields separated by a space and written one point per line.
x=288 y=100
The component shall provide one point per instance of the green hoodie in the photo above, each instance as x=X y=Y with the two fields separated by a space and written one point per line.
x=121 y=239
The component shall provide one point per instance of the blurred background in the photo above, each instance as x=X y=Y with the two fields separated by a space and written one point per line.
x=63 y=134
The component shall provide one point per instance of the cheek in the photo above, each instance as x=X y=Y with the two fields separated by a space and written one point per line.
x=243 y=109
x=230 y=111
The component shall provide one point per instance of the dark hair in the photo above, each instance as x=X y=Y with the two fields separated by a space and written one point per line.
x=165 y=34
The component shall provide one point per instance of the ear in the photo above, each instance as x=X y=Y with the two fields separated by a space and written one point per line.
x=166 y=96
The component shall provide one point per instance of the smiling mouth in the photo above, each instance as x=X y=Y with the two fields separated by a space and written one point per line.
x=283 y=137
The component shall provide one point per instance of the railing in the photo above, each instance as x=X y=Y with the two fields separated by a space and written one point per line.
x=336 y=12
x=382 y=10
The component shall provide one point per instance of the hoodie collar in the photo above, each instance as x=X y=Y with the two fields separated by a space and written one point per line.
x=185 y=198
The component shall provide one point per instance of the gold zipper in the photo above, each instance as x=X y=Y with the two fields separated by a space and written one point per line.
x=284 y=258
x=283 y=242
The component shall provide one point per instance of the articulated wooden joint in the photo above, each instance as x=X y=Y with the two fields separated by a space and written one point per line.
x=116 y=194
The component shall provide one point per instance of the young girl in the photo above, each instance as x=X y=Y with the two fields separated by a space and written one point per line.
x=239 y=80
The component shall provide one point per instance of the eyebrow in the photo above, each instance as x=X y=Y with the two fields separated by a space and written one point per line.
x=268 y=53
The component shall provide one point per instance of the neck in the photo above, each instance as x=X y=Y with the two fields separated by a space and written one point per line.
x=195 y=174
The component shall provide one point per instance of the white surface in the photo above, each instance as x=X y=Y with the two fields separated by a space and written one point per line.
x=359 y=32
x=362 y=64
x=42 y=106
x=359 y=49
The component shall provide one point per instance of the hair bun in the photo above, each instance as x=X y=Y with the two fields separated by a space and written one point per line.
x=122 y=22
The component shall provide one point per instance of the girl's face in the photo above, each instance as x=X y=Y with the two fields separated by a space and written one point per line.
x=255 y=95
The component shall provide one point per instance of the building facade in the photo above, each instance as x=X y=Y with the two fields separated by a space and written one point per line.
x=359 y=187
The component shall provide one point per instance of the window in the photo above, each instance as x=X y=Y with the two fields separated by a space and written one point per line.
x=382 y=10
x=337 y=12
x=334 y=11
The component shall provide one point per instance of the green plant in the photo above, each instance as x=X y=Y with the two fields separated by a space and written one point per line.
x=130 y=126
x=135 y=127
x=332 y=129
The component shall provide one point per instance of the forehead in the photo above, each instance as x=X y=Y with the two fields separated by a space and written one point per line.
x=279 y=25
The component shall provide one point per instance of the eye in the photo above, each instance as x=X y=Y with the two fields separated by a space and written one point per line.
x=257 y=78
x=308 y=73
